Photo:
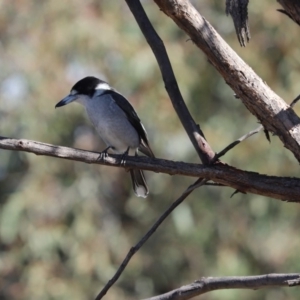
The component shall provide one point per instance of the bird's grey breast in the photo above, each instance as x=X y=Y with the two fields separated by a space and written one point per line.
x=112 y=123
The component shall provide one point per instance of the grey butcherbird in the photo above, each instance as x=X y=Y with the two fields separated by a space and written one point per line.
x=115 y=121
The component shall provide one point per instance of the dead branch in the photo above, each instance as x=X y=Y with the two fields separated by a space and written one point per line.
x=283 y=188
x=193 y=130
x=238 y=9
x=291 y=9
x=143 y=240
x=272 y=112
x=236 y=142
x=209 y=284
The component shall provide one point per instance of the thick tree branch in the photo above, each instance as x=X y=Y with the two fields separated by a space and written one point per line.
x=273 y=113
x=209 y=284
x=283 y=188
x=144 y=239
x=194 y=132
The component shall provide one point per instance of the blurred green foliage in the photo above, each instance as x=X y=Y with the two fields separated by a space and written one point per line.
x=66 y=226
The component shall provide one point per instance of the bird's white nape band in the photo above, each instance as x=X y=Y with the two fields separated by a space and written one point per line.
x=103 y=86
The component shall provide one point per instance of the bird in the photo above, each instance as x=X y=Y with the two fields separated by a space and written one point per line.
x=116 y=122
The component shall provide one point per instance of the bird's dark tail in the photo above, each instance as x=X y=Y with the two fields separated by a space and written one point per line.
x=139 y=183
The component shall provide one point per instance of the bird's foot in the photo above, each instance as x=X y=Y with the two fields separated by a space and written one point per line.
x=123 y=157
x=104 y=153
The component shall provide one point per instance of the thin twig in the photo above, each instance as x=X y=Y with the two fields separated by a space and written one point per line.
x=236 y=142
x=295 y=101
x=244 y=137
x=133 y=250
x=209 y=284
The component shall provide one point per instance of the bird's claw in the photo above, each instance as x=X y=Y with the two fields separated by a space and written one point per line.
x=123 y=161
x=103 y=154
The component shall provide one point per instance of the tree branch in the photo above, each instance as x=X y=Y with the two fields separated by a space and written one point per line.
x=273 y=113
x=291 y=9
x=195 y=134
x=238 y=9
x=294 y=102
x=236 y=142
x=209 y=284
x=247 y=135
x=144 y=239
x=283 y=188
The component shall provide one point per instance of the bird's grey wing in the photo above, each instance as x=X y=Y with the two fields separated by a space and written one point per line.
x=133 y=118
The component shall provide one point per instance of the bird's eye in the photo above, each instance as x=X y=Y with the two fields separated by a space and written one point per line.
x=73 y=92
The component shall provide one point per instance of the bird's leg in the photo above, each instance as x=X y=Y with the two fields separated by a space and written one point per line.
x=103 y=154
x=123 y=156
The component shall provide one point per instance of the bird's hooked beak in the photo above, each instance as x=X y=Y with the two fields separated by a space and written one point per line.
x=70 y=98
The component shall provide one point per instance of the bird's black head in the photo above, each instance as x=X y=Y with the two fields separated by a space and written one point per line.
x=84 y=89
x=87 y=86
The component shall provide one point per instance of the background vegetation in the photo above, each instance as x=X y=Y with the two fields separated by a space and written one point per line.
x=65 y=226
